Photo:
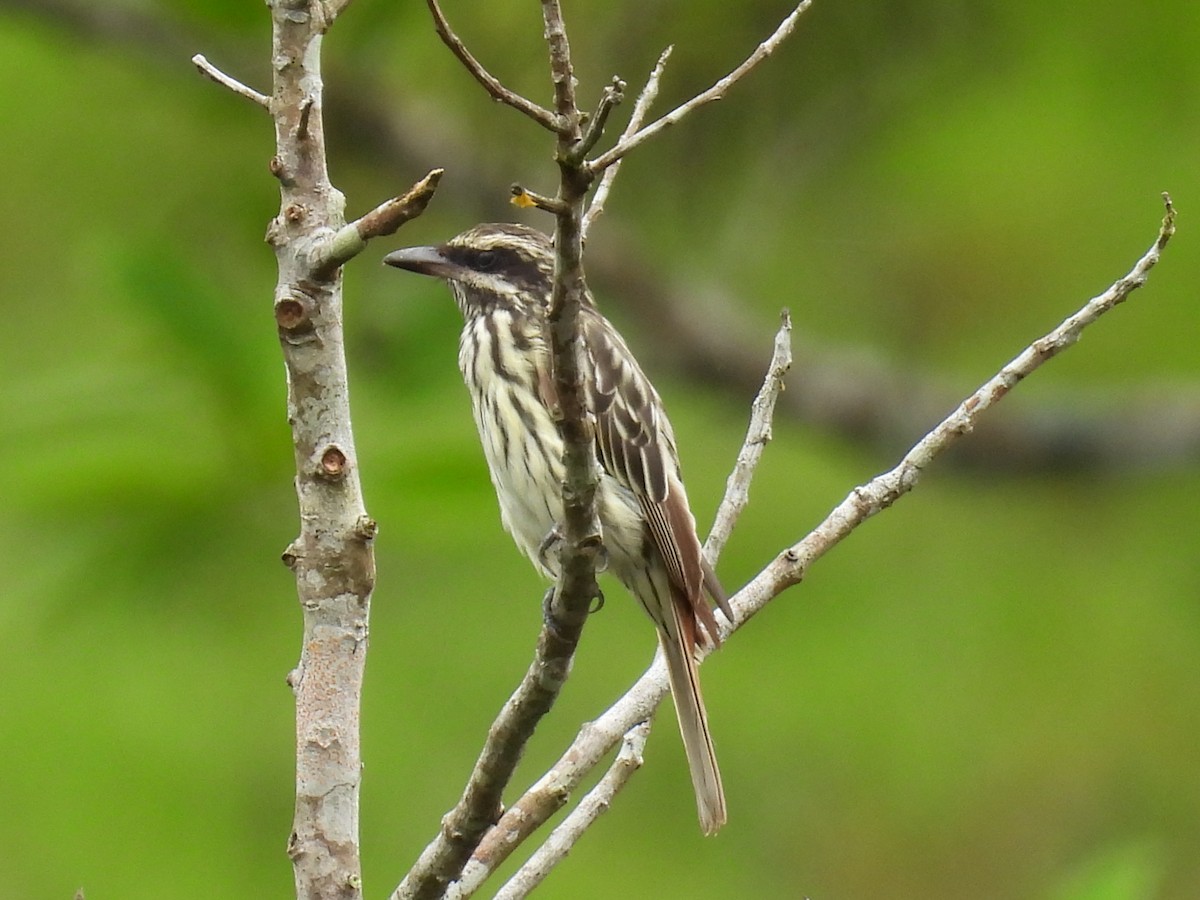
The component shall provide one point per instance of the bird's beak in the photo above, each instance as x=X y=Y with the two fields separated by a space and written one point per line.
x=424 y=260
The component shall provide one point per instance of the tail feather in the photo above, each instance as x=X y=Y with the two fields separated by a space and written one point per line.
x=693 y=721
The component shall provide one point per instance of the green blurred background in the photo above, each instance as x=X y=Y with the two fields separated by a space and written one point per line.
x=990 y=691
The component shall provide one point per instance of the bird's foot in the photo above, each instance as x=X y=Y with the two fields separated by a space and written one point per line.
x=550 y=549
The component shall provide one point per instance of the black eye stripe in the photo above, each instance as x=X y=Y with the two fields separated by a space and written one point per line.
x=515 y=266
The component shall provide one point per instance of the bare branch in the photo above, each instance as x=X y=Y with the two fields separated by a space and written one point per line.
x=884 y=490
x=716 y=92
x=580 y=525
x=640 y=109
x=491 y=84
x=597 y=801
x=351 y=239
x=210 y=71
x=762 y=412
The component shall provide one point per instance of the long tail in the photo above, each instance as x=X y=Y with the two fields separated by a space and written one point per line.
x=693 y=720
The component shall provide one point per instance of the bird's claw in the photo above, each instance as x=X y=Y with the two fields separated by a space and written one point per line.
x=551 y=543
x=601 y=560
x=548 y=613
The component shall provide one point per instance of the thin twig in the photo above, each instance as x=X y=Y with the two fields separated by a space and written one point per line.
x=597 y=801
x=562 y=72
x=716 y=92
x=640 y=109
x=210 y=71
x=613 y=95
x=884 y=490
x=351 y=239
x=491 y=83
x=386 y=218
x=758 y=435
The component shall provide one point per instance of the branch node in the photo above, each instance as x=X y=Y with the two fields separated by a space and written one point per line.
x=306 y=109
x=293 y=314
x=278 y=169
x=333 y=463
x=525 y=199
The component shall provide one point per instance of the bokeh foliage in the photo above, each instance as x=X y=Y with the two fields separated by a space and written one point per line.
x=991 y=691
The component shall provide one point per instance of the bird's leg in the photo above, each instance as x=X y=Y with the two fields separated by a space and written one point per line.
x=548 y=553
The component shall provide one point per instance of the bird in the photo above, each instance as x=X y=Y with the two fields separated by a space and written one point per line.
x=501 y=277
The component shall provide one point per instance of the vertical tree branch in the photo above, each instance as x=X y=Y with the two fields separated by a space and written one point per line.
x=333 y=557
x=567 y=606
x=581 y=528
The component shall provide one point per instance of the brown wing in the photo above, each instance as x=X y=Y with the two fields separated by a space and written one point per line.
x=636 y=445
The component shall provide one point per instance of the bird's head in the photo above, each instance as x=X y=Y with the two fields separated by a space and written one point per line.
x=487 y=264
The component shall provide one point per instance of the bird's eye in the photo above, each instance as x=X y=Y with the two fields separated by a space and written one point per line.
x=486 y=260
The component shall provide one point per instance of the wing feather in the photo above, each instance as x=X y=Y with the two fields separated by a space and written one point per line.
x=636 y=446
